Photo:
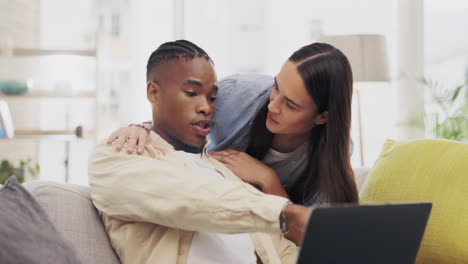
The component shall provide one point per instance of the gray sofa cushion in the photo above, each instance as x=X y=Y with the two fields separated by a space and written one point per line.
x=26 y=233
x=71 y=210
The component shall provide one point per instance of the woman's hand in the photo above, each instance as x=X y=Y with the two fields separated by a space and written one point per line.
x=137 y=138
x=251 y=170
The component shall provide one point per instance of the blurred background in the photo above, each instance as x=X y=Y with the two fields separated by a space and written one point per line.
x=74 y=71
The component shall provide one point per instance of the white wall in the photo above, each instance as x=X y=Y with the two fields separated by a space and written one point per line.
x=152 y=23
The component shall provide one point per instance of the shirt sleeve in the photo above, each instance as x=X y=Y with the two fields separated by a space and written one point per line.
x=287 y=250
x=239 y=98
x=164 y=191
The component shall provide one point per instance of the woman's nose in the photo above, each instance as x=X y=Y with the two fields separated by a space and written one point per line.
x=273 y=105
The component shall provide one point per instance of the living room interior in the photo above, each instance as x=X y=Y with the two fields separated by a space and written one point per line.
x=72 y=72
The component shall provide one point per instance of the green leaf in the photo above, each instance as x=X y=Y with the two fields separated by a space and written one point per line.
x=456 y=92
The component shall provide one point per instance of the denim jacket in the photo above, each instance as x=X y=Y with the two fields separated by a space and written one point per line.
x=239 y=98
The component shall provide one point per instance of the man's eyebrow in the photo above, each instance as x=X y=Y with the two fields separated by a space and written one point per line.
x=199 y=84
x=193 y=82
x=289 y=100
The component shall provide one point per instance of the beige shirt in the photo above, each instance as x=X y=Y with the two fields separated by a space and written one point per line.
x=151 y=204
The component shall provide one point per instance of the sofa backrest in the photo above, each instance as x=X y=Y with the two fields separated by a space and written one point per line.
x=71 y=210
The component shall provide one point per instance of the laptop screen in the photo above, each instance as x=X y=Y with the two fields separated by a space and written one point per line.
x=389 y=233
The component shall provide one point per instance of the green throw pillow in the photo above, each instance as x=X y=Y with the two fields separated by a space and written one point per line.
x=427 y=170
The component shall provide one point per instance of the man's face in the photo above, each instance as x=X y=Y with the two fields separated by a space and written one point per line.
x=185 y=102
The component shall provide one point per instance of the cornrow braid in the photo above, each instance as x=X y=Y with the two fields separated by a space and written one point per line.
x=174 y=50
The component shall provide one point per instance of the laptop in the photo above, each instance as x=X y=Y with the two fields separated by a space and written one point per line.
x=387 y=233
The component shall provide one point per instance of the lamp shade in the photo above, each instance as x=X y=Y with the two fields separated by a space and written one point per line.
x=367 y=55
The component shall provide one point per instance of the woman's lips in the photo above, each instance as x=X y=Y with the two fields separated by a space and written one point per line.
x=271 y=118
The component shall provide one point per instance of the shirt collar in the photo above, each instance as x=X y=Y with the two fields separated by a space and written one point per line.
x=162 y=143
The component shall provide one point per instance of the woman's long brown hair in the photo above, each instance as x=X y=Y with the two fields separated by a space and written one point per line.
x=327 y=75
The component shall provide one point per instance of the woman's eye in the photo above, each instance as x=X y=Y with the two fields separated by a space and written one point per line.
x=190 y=94
x=291 y=107
x=213 y=99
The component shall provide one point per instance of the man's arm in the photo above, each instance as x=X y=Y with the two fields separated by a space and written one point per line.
x=165 y=192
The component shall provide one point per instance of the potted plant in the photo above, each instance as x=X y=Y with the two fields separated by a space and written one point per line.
x=448 y=118
x=7 y=169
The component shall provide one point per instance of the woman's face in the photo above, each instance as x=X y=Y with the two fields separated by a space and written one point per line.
x=291 y=110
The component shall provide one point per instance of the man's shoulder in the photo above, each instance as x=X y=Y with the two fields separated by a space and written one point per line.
x=106 y=150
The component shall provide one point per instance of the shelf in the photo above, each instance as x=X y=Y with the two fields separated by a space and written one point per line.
x=44 y=132
x=46 y=95
x=61 y=135
x=48 y=52
x=41 y=137
x=67 y=95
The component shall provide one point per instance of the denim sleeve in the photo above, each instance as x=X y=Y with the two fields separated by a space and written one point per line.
x=239 y=98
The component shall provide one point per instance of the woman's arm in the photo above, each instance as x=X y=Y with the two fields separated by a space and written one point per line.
x=253 y=171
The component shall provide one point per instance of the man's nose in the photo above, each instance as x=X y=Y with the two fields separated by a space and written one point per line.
x=204 y=107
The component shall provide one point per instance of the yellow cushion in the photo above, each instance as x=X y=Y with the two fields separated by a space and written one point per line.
x=427 y=170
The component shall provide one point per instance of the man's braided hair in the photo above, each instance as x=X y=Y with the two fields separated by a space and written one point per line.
x=174 y=50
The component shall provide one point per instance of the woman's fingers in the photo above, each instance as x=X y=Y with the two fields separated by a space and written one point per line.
x=134 y=138
x=218 y=157
x=218 y=154
x=142 y=141
x=112 y=137
x=131 y=145
x=121 y=140
x=226 y=159
x=230 y=151
x=227 y=152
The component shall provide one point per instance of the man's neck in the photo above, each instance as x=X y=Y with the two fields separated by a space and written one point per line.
x=177 y=144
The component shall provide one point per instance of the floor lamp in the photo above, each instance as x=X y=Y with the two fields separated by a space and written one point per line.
x=367 y=55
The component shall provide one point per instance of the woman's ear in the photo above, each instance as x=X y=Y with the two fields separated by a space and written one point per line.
x=322 y=118
x=153 y=92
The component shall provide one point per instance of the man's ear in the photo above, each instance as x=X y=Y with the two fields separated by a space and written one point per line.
x=153 y=92
x=322 y=118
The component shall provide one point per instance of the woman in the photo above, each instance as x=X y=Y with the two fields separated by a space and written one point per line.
x=289 y=135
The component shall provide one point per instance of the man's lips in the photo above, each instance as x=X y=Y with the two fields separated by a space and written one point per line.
x=202 y=127
x=271 y=118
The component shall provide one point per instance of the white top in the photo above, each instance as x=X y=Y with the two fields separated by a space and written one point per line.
x=288 y=166
x=214 y=248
